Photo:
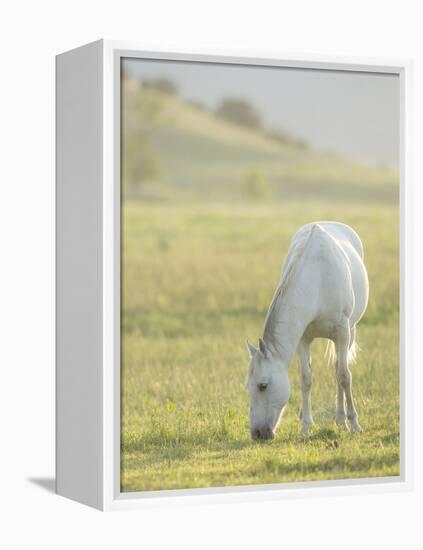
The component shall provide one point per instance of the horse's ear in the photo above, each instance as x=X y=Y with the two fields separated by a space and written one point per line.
x=262 y=347
x=251 y=349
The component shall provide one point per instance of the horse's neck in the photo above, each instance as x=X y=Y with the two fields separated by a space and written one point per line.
x=289 y=325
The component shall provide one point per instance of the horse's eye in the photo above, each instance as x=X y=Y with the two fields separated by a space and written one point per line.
x=262 y=386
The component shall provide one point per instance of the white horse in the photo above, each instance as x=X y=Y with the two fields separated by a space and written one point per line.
x=323 y=293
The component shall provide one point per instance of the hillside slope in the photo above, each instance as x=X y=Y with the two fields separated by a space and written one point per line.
x=201 y=156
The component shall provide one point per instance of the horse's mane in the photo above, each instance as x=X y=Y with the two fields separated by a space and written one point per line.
x=289 y=267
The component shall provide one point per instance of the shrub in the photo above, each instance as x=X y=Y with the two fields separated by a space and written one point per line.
x=254 y=184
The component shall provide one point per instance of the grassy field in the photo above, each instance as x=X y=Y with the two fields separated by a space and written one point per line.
x=197 y=282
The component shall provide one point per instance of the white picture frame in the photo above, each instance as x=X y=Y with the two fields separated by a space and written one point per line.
x=88 y=283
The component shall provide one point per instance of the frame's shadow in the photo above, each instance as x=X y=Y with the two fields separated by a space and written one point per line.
x=46 y=483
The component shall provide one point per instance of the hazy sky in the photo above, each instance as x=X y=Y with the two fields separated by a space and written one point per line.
x=354 y=114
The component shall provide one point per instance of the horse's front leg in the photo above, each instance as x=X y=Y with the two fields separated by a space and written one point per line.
x=306 y=381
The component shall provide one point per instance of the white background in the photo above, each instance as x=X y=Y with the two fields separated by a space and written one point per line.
x=32 y=33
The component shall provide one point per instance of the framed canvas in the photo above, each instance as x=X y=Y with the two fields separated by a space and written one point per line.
x=221 y=216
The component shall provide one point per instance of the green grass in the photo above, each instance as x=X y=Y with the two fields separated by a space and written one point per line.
x=197 y=282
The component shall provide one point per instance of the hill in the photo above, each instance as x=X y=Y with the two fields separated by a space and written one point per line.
x=197 y=156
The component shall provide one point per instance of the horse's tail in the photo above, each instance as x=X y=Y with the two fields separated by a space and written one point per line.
x=331 y=352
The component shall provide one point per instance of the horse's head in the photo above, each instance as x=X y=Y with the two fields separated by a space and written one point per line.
x=269 y=391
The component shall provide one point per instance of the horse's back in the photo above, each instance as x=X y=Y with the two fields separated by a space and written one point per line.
x=341 y=253
x=342 y=233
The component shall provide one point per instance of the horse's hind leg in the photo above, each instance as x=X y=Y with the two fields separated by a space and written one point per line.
x=341 y=415
x=344 y=378
x=306 y=380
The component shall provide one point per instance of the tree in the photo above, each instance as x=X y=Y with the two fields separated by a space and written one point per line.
x=239 y=111
x=140 y=120
x=162 y=84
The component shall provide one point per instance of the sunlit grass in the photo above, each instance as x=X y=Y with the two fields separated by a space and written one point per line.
x=197 y=281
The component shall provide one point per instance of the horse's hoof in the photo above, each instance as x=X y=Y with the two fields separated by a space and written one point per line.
x=341 y=420
x=305 y=429
x=355 y=428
